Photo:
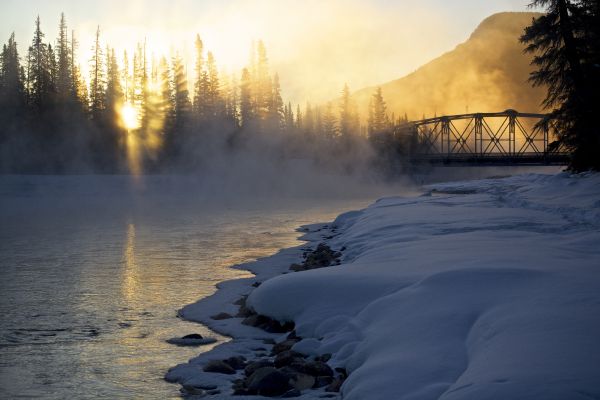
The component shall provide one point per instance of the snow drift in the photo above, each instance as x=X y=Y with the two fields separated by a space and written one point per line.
x=485 y=289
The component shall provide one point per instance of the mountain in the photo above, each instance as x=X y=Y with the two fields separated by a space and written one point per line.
x=486 y=73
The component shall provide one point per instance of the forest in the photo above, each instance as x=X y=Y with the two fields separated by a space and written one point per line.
x=143 y=113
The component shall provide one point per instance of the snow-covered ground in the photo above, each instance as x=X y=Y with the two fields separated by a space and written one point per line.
x=485 y=289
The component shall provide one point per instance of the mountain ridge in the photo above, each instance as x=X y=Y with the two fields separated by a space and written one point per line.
x=486 y=73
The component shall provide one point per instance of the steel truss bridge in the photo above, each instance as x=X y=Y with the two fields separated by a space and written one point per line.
x=508 y=137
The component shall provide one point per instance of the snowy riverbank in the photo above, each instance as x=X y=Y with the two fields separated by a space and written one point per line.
x=484 y=289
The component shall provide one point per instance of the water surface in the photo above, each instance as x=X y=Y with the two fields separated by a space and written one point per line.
x=93 y=270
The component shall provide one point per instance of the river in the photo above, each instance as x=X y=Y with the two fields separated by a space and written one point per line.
x=94 y=268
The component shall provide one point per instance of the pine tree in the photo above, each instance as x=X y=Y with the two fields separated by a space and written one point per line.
x=348 y=124
x=230 y=94
x=181 y=102
x=214 y=106
x=378 y=119
x=329 y=122
x=309 y=121
x=263 y=82
x=39 y=74
x=299 y=118
x=166 y=93
x=276 y=108
x=97 y=80
x=12 y=88
x=246 y=107
x=289 y=117
x=64 y=79
x=78 y=88
x=114 y=90
x=565 y=45
x=200 y=82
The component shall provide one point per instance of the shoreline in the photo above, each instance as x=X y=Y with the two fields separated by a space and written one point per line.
x=426 y=287
x=247 y=341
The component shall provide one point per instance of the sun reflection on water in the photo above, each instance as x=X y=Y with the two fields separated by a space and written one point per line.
x=130 y=279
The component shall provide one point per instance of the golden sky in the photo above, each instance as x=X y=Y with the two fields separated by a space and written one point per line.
x=315 y=45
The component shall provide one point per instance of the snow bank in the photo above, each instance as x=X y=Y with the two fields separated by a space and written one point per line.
x=476 y=290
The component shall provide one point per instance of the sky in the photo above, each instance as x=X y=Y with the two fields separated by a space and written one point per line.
x=316 y=46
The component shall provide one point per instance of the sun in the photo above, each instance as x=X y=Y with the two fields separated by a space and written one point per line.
x=129 y=117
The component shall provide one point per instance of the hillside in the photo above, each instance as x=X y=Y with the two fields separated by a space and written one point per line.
x=486 y=73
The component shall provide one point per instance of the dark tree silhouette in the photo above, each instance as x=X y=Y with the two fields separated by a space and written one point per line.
x=565 y=45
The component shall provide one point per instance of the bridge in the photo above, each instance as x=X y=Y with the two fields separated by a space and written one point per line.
x=507 y=137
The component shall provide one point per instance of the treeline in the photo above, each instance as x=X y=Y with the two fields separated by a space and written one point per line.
x=135 y=112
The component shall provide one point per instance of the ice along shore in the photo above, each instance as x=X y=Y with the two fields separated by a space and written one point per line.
x=485 y=289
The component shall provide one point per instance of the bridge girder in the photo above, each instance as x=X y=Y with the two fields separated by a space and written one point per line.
x=486 y=135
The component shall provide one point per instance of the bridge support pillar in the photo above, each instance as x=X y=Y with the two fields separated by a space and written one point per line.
x=512 y=118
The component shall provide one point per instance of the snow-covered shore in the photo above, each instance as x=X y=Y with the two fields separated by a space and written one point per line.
x=484 y=289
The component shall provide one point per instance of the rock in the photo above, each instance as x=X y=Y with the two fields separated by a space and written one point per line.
x=283 y=346
x=191 y=340
x=193 y=390
x=273 y=326
x=221 y=316
x=196 y=336
x=269 y=382
x=318 y=368
x=303 y=381
x=255 y=320
x=291 y=393
x=335 y=385
x=324 y=358
x=298 y=365
x=241 y=392
x=293 y=336
x=241 y=301
x=236 y=363
x=256 y=284
x=286 y=358
x=219 y=367
x=269 y=341
x=256 y=365
x=297 y=267
x=245 y=312
x=342 y=372
x=321 y=381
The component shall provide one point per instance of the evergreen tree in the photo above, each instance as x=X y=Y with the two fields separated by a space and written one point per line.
x=309 y=121
x=299 y=118
x=114 y=90
x=230 y=94
x=329 y=129
x=565 y=45
x=64 y=79
x=378 y=119
x=78 y=88
x=12 y=106
x=181 y=102
x=246 y=107
x=348 y=124
x=289 y=117
x=201 y=81
x=39 y=74
x=263 y=84
x=97 y=80
x=12 y=89
x=276 y=108
x=213 y=103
